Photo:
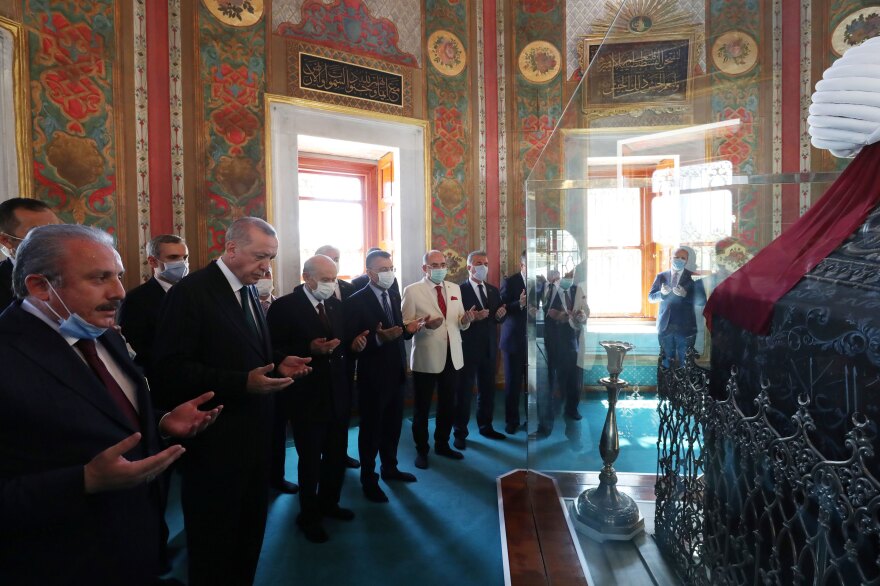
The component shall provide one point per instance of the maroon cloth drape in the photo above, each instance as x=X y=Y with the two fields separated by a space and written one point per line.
x=747 y=297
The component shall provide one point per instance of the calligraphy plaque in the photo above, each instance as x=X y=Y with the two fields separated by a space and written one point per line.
x=326 y=75
x=630 y=74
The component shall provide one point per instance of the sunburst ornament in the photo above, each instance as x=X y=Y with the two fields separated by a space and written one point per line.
x=642 y=16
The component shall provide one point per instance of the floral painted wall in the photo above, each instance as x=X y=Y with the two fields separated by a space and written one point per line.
x=735 y=40
x=232 y=67
x=73 y=68
x=449 y=58
x=537 y=79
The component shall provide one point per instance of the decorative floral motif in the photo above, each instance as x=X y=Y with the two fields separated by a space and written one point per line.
x=536 y=132
x=446 y=53
x=76 y=159
x=735 y=53
x=238 y=13
x=539 y=62
x=736 y=50
x=862 y=29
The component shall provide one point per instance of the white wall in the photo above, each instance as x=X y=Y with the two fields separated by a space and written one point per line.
x=406 y=140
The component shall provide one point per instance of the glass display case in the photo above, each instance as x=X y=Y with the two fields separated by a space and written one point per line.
x=671 y=139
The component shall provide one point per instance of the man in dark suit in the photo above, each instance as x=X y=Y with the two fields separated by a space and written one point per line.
x=79 y=445
x=514 y=344
x=212 y=336
x=479 y=344
x=381 y=372
x=18 y=216
x=168 y=257
x=343 y=291
x=562 y=326
x=674 y=290
x=309 y=322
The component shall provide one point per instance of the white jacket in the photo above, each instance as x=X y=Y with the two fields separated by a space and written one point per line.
x=429 y=346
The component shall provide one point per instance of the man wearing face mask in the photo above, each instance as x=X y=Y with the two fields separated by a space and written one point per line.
x=18 y=216
x=479 y=345
x=676 y=323
x=81 y=448
x=436 y=356
x=381 y=373
x=168 y=256
x=309 y=322
x=343 y=291
x=561 y=333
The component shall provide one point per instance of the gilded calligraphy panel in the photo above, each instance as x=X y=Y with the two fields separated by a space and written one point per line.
x=325 y=75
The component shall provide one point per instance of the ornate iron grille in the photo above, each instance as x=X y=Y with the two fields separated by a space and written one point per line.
x=755 y=507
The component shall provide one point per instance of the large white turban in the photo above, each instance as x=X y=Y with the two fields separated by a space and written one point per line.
x=845 y=113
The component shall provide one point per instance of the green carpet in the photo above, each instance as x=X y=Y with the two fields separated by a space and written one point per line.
x=441 y=530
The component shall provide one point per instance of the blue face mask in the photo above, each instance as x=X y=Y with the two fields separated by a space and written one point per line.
x=678 y=264
x=437 y=275
x=75 y=326
x=565 y=284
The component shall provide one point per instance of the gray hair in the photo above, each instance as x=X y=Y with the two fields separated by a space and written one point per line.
x=44 y=250
x=374 y=254
x=325 y=249
x=240 y=230
x=154 y=245
x=476 y=253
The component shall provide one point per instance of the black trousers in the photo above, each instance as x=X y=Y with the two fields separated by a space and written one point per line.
x=446 y=383
x=381 y=410
x=514 y=375
x=482 y=370
x=321 y=449
x=278 y=450
x=565 y=380
x=225 y=501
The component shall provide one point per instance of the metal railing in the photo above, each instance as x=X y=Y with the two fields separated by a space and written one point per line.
x=738 y=503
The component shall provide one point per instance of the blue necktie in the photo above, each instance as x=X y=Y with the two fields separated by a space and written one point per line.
x=387 y=308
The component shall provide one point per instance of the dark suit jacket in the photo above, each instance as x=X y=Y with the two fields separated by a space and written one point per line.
x=6 y=295
x=481 y=339
x=379 y=367
x=138 y=317
x=513 y=331
x=203 y=343
x=560 y=336
x=56 y=417
x=293 y=322
x=346 y=289
x=676 y=313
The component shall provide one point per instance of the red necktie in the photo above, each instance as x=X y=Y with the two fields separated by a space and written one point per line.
x=440 y=301
x=90 y=353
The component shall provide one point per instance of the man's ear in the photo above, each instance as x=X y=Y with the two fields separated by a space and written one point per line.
x=153 y=262
x=37 y=286
x=7 y=241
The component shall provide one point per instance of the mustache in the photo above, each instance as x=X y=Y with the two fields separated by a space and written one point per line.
x=109 y=306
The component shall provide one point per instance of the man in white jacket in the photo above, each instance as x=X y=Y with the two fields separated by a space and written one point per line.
x=436 y=352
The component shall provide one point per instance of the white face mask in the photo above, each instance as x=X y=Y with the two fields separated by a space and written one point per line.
x=481 y=272
x=174 y=271
x=324 y=290
x=265 y=287
x=385 y=279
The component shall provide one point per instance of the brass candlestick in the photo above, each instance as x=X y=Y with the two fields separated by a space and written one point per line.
x=603 y=513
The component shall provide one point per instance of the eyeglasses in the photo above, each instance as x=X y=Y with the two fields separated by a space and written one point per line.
x=8 y=235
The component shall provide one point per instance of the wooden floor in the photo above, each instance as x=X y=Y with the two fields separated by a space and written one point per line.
x=542 y=547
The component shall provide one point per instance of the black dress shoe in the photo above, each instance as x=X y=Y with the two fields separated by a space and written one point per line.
x=542 y=433
x=398 y=475
x=352 y=462
x=375 y=494
x=313 y=530
x=574 y=415
x=511 y=428
x=492 y=434
x=421 y=461
x=337 y=512
x=446 y=451
x=460 y=443
x=286 y=487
